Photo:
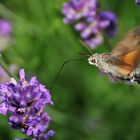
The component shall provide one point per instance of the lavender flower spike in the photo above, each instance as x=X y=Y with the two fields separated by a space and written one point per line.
x=89 y=20
x=77 y=9
x=25 y=101
x=137 y=2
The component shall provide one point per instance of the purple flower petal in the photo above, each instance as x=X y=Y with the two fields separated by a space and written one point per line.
x=4 y=108
x=5 y=27
x=22 y=74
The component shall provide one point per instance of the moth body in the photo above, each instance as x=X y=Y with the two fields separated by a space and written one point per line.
x=101 y=62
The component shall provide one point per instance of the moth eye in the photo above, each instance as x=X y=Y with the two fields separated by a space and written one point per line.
x=93 y=61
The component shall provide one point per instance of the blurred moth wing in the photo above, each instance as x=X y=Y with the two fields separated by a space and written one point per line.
x=127 y=53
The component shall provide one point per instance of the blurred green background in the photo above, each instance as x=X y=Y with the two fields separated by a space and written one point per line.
x=88 y=106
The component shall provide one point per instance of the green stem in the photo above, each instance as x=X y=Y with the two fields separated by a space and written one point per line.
x=5 y=67
x=4 y=11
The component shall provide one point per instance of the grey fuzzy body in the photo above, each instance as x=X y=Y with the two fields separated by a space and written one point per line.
x=101 y=61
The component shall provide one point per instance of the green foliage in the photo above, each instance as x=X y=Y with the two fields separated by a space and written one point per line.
x=88 y=106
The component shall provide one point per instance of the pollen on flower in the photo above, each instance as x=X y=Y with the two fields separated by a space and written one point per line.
x=25 y=101
x=13 y=81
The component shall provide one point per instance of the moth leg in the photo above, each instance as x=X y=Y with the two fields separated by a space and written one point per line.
x=115 y=79
x=137 y=73
x=135 y=76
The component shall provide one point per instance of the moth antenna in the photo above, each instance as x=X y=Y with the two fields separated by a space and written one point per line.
x=85 y=46
x=59 y=71
x=84 y=54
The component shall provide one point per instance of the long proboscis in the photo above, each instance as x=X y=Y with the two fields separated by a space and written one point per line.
x=59 y=71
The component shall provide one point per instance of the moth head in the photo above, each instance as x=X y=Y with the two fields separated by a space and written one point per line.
x=94 y=59
x=97 y=59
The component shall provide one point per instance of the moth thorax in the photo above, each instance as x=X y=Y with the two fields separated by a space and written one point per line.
x=99 y=60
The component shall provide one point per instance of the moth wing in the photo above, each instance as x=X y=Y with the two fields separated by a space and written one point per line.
x=128 y=50
x=115 y=61
x=123 y=67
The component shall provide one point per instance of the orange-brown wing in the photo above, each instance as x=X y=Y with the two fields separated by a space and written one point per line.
x=128 y=50
x=122 y=67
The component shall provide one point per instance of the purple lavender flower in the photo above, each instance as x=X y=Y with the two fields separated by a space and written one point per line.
x=108 y=22
x=137 y=2
x=46 y=136
x=95 y=41
x=77 y=9
x=25 y=101
x=89 y=20
x=5 y=27
x=5 y=33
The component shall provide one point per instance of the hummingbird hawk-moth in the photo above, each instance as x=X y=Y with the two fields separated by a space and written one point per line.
x=122 y=62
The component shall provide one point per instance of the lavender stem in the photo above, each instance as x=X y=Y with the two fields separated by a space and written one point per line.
x=5 y=67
